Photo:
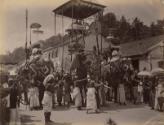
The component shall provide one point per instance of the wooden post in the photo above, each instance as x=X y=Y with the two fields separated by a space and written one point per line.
x=62 y=43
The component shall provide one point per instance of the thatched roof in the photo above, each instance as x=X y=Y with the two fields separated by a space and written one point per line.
x=139 y=47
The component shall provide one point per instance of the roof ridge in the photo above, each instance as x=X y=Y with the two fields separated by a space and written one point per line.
x=134 y=41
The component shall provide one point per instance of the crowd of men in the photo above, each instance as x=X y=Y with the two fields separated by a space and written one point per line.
x=87 y=88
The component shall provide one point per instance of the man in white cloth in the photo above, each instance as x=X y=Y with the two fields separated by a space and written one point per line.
x=50 y=83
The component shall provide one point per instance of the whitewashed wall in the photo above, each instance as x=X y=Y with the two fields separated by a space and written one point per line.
x=153 y=57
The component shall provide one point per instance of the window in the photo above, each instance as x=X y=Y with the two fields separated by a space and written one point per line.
x=161 y=64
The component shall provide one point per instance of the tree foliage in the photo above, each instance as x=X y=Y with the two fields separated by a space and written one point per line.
x=125 y=31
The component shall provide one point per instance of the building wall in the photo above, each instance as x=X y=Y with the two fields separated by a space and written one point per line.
x=90 y=41
x=152 y=59
x=55 y=55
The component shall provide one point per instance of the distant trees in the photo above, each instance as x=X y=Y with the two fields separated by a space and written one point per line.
x=125 y=31
x=18 y=55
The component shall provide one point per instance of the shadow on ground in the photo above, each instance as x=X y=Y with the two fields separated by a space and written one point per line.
x=116 y=107
x=57 y=123
x=61 y=108
x=27 y=120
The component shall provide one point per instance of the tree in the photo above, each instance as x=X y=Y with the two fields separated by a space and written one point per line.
x=108 y=21
x=137 y=29
x=18 y=54
x=123 y=30
x=153 y=29
x=160 y=27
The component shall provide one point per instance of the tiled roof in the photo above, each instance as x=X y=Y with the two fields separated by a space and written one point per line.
x=140 y=47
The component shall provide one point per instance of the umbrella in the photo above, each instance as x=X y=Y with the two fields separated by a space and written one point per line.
x=144 y=73
x=157 y=71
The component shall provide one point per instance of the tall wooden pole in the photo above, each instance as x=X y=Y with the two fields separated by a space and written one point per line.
x=62 y=43
x=55 y=24
x=30 y=36
x=26 y=33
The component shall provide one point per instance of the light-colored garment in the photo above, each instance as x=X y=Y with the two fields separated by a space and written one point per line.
x=76 y=95
x=7 y=98
x=47 y=101
x=34 y=97
x=122 y=98
x=140 y=93
x=91 y=99
x=14 y=117
x=162 y=94
x=140 y=88
x=102 y=95
x=159 y=88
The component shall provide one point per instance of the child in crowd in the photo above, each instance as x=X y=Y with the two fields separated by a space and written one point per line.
x=91 y=97
x=76 y=96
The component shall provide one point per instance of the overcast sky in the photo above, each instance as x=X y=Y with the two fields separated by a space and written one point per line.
x=12 y=19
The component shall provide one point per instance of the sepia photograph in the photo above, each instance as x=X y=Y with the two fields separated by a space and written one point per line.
x=81 y=62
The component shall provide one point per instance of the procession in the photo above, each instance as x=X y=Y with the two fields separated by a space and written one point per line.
x=85 y=73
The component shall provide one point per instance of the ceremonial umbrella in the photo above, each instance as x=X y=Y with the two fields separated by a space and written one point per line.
x=144 y=73
x=157 y=71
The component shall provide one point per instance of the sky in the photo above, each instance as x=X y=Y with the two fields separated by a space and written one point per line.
x=12 y=17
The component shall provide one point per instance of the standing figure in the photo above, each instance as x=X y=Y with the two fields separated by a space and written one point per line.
x=161 y=99
x=60 y=93
x=7 y=102
x=50 y=83
x=146 y=90
x=140 y=92
x=33 y=97
x=152 y=93
x=91 y=97
x=67 y=90
x=76 y=96
x=102 y=95
x=159 y=96
x=135 y=89
x=122 y=99
x=14 y=93
x=4 y=92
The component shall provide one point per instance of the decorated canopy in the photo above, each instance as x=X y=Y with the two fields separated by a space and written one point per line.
x=78 y=9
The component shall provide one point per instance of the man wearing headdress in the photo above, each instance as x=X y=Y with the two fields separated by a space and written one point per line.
x=50 y=83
